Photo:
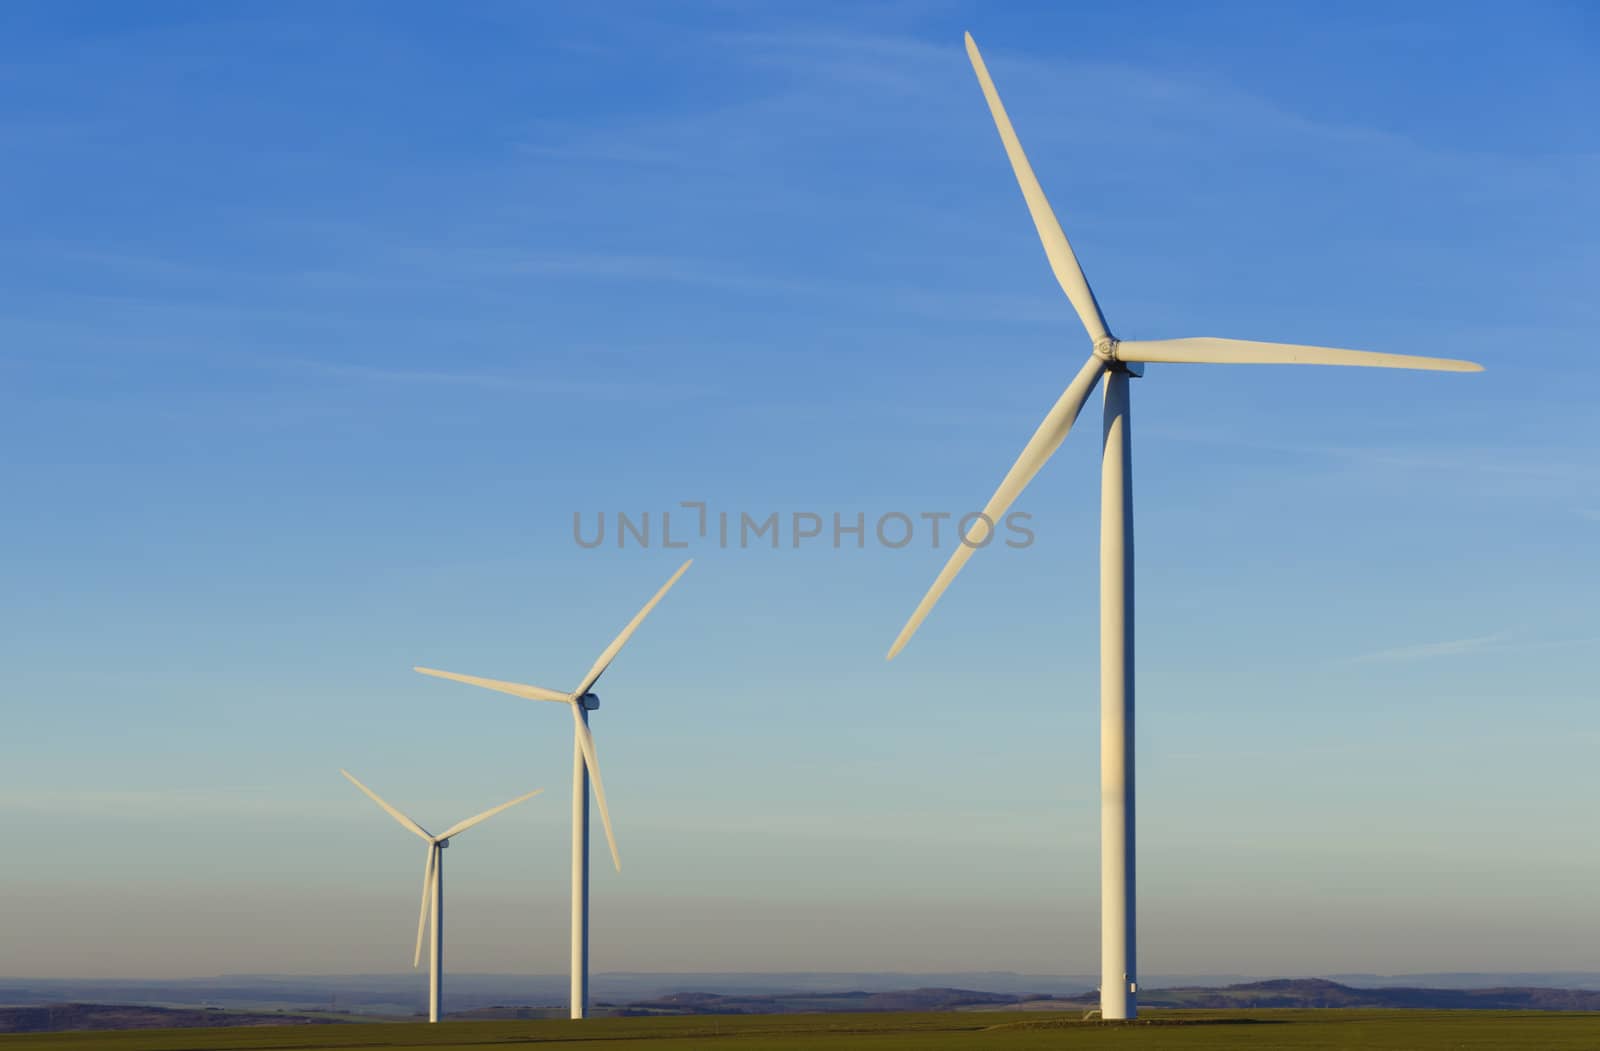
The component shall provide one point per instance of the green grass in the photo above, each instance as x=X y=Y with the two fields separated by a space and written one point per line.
x=1288 y=1029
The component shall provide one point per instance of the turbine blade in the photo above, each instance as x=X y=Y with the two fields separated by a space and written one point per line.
x=1045 y=441
x=462 y=826
x=517 y=689
x=1209 y=351
x=427 y=894
x=1062 y=260
x=604 y=661
x=586 y=742
x=405 y=821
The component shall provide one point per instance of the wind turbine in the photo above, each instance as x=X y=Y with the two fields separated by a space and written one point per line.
x=584 y=767
x=433 y=883
x=1118 y=361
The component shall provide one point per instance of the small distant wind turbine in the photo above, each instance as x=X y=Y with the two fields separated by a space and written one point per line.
x=1118 y=361
x=584 y=766
x=433 y=883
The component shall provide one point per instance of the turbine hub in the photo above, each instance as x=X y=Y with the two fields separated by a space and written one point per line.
x=590 y=701
x=1106 y=350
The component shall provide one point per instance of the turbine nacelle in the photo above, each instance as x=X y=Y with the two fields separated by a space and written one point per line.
x=589 y=701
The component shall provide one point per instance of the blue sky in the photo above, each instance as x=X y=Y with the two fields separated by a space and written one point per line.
x=318 y=326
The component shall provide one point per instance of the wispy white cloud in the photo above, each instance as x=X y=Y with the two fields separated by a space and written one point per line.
x=421 y=267
x=1527 y=463
x=876 y=69
x=599 y=152
x=498 y=382
x=1530 y=464
x=163 y=804
x=1499 y=642
x=1428 y=650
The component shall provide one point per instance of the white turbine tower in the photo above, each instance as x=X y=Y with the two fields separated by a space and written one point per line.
x=433 y=883
x=585 y=766
x=1118 y=361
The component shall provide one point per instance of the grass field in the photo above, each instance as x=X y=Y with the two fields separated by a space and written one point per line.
x=1327 y=1028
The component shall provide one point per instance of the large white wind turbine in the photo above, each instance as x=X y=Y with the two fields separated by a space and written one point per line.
x=433 y=883
x=1116 y=360
x=585 y=766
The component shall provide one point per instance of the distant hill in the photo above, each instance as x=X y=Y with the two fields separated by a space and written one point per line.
x=55 y=1018
x=1282 y=992
x=1319 y=992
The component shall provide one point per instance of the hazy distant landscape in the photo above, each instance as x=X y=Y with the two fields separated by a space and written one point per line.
x=404 y=994
x=255 y=1000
